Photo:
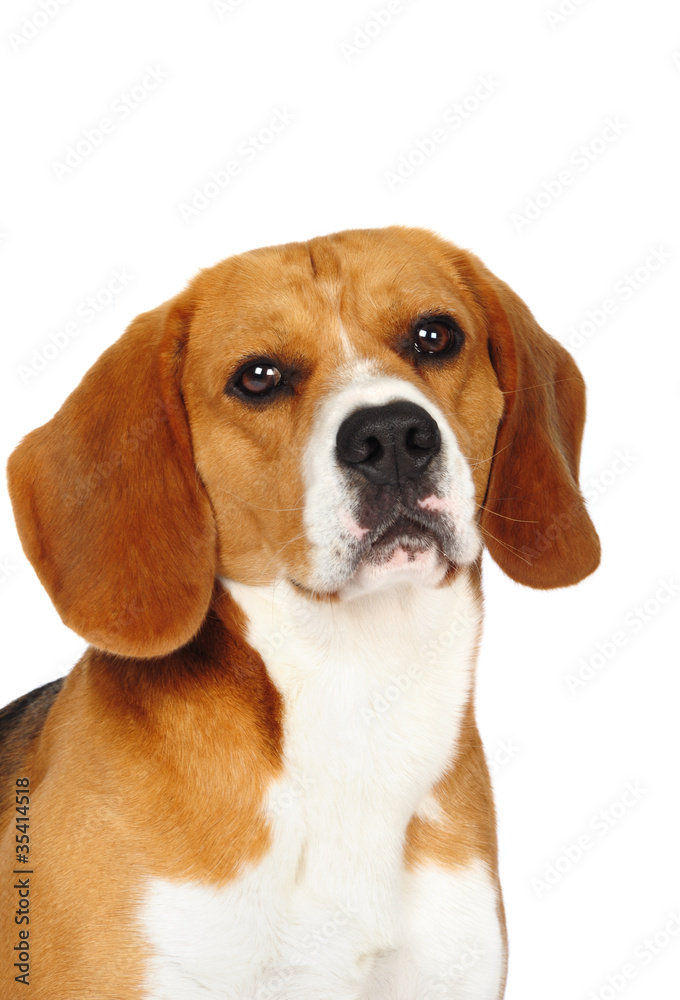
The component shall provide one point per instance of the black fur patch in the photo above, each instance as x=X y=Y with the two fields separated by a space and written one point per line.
x=20 y=722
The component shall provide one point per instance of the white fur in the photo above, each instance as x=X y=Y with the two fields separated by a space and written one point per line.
x=455 y=945
x=331 y=501
x=374 y=688
x=346 y=343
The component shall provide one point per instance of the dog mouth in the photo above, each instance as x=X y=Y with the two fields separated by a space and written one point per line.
x=412 y=545
x=403 y=541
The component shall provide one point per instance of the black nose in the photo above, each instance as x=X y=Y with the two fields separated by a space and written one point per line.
x=389 y=444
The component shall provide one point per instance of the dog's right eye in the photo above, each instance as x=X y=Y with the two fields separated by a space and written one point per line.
x=259 y=378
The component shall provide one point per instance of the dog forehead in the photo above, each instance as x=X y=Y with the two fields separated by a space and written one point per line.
x=363 y=255
x=350 y=285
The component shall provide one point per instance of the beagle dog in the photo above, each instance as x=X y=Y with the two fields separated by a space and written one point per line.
x=265 y=508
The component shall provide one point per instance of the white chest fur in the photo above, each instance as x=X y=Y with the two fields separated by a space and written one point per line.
x=373 y=693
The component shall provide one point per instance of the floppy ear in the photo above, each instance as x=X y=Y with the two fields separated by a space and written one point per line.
x=108 y=503
x=534 y=521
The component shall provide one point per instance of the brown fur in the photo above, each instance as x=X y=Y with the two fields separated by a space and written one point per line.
x=150 y=479
x=137 y=772
x=107 y=504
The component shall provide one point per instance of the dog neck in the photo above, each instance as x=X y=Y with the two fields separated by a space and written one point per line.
x=367 y=638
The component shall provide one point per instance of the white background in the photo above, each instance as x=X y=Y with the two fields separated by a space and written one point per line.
x=555 y=85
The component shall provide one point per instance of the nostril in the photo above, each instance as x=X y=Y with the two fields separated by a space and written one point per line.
x=357 y=448
x=423 y=437
x=373 y=448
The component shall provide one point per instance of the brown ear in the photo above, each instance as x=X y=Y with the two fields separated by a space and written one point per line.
x=534 y=520
x=108 y=503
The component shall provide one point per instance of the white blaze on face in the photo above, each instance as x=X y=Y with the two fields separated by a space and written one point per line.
x=332 y=498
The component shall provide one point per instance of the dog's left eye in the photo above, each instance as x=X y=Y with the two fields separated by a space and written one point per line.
x=259 y=378
x=436 y=336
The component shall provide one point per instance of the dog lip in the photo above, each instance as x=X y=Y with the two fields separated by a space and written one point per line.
x=411 y=523
x=415 y=531
x=412 y=534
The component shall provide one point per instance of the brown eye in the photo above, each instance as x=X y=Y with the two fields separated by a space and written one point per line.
x=259 y=378
x=435 y=336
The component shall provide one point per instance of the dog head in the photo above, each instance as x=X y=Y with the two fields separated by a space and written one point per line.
x=354 y=413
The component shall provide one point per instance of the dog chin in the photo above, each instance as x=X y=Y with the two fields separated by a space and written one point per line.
x=384 y=567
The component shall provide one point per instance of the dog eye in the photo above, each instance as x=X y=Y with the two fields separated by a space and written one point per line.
x=436 y=336
x=259 y=378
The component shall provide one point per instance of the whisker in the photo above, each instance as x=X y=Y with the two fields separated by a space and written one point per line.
x=521 y=520
x=274 y=510
x=526 y=497
x=510 y=548
x=290 y=541
x=540 y=385
x=481 y=461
